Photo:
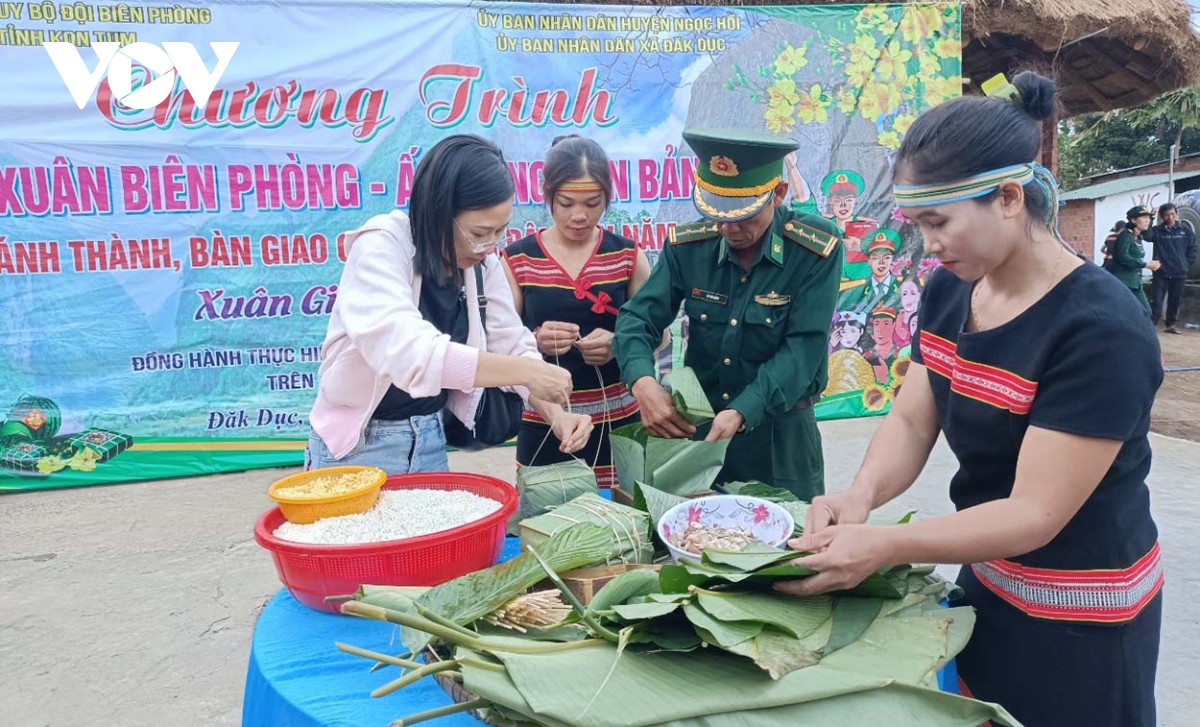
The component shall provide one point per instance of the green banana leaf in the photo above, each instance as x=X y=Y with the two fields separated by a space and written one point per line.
x=654 y=501
x=597 y=687
x=475 y=595
x=760 y=490
x=894 y=704
x=717 y=632
x=675 y=466
x=779 y=654
x=851 y=619
x=690 y=400
x=797 y=617
x=545 y=487
x=622 y=589
x=630 y=527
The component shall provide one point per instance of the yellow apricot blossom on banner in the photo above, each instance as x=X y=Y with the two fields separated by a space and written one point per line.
x=864 y=51
x=790 y=60
x=947 y=48
x=814 y=106
x=847 y=100
x=779 y=119
x=890 y=140
x=920 y=22
x=892 y=63
x=782 y=93
x=938 y=90
x=878 y=99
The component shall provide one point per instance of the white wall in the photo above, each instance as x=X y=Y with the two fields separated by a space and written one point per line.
x=1113 y=208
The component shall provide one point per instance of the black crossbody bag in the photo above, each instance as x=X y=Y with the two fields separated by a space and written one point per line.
x=499 y=416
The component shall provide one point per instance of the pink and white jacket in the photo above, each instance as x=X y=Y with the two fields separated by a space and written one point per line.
x=377 y=337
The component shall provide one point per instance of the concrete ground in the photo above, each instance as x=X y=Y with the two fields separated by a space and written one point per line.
x=134 y=605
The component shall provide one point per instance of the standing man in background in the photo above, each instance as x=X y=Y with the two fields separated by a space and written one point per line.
x=1175 y=248
x=1129 y=256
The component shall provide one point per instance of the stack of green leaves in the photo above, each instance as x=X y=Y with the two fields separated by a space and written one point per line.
x=678 y=466
x=630 y=527
x=691 y=647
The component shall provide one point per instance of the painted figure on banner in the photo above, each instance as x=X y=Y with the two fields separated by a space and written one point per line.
x=848 y=329
x=884 y=351
x=842 y=189
x=882 y=287
x=910 y=304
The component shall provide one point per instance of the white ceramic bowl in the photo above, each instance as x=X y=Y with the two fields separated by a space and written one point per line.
x=769 y=522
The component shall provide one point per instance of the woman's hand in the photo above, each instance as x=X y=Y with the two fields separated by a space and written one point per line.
x=842 y=555
x=555 y=338
x=572 y=430
x=1154 y=265
x=847 y=507
x=596 y=347
x=546 y=381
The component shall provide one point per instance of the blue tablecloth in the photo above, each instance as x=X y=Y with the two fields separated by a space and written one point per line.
x=298 y=678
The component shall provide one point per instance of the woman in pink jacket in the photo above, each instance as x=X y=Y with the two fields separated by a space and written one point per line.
x=405 y=343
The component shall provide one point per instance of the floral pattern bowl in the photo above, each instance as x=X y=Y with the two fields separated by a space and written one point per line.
x=769 y=522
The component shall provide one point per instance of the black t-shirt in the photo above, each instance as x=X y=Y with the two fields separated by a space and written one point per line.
x=443 y=305
x=1083 y=360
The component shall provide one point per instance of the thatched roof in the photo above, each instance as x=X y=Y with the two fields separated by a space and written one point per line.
x=1104 y=54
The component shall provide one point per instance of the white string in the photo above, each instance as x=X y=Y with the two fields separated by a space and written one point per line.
x=607 y=420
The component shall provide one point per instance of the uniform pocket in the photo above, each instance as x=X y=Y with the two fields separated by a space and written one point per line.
x=707 y=324
x=766 y=327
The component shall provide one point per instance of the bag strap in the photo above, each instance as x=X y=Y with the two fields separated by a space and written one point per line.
x=481 y=300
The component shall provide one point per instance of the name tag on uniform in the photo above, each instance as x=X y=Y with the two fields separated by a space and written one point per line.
x=773 y=298
x=710 y=297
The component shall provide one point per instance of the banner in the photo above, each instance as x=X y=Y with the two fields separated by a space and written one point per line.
x=175 y=182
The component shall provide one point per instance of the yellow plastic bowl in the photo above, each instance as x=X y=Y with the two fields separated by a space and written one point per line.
x=304 y=510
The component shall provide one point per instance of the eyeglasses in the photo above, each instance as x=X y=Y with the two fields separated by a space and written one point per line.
x=477 y=245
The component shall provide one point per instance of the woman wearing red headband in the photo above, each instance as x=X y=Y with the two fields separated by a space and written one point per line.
x=568 y=282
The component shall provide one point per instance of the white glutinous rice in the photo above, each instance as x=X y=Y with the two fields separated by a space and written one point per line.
x=398 y=514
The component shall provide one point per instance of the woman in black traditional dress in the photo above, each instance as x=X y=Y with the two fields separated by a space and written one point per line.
x=568 y=282
x=1053 y=509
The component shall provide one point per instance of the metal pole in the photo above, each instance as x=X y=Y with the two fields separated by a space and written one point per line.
x=1171 y=176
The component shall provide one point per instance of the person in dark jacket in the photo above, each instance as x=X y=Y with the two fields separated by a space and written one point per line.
x=1129 y=257
x=1175 y=248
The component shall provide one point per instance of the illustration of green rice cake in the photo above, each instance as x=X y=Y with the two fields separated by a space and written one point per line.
x=12 y=433
x=103 y=442
x=23 y=456
x=39 y=414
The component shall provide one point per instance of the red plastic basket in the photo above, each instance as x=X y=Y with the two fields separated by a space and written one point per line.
x=312 y=572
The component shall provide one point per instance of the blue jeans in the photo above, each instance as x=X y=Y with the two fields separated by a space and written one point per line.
x=398 y=448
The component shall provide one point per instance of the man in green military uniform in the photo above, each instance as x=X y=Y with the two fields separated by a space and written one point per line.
x=1129 y=257
x=758 y=282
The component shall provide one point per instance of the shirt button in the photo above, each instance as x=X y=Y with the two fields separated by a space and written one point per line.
x=743 y=280
x=733 y=321
x=768 y=320
x=704 y=316
x=724 y=397
x=728 y=361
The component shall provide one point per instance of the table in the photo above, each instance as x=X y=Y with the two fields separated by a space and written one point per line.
x=298 y=678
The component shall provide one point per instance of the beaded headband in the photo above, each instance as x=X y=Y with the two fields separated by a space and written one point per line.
x=580 y=187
